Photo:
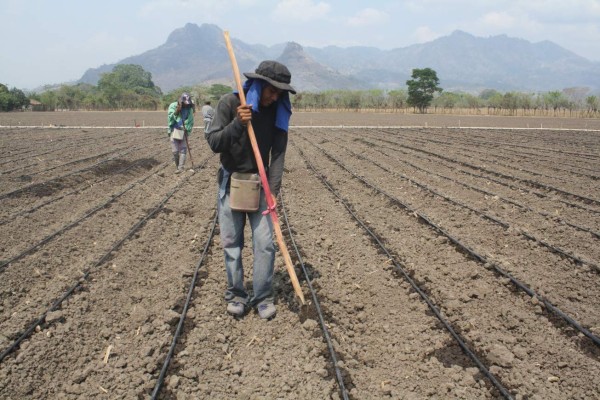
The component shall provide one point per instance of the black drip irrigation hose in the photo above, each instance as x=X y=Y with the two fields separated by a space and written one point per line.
x=76 y=191
x=332 y=354
x=482 y=142
x=530 y=182
x=67 y=163
x=401 y=268
x=167 y=362
x=482 y=259
x=87 y=273
x=527 y=147
x=91 y=167
x=508 y=201
x=88 y=214
x=72 y=143
x=503 y=224
x=499 y=174
x=532 y=157
x=496 y=162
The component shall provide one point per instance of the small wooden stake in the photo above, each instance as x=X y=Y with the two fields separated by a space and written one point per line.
x=107 y=353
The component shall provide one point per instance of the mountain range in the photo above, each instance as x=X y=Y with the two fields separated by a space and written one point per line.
x=195 y=55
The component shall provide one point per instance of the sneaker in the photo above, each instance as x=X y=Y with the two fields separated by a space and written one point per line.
x=266 y=310
x=235 y=308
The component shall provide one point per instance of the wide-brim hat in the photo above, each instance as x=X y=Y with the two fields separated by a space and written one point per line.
x=275 y=73
x=186 y=99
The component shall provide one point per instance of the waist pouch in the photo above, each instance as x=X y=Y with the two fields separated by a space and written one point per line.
x=177 y=134
x=244 y=192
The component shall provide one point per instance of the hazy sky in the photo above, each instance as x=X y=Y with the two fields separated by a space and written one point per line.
x=54 y=41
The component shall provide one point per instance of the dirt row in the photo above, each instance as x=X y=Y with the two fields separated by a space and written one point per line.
x=485 y=308
x=516 y=253
x=110 y=339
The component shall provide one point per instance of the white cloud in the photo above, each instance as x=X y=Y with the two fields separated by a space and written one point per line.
x=553 y=11
x=424 y=34
x=300 y=10
x=368 y=16
x=182 y=7
x=501 y=20
x=510 y=23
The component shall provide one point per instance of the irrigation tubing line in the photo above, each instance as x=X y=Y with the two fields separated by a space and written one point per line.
x=76 y=191
x=41 y=184
x=462 y=163
x=103 y=259
x=36 y=156
x=485 y=192
x=67 y=163
x=494 y=144
x=504 y=225
x=529 y=182
x=58 y=141
x=326 y=335
x=482 y=259
x=400 y=268
x=167 y=362
x=473 y=148
x=171 y=352
x=72 y=224
x=72 y=162
x=531 y=157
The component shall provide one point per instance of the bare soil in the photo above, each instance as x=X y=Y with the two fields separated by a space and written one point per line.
x=91 y=210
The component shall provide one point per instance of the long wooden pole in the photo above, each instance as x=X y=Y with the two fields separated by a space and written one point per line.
x=263 y=177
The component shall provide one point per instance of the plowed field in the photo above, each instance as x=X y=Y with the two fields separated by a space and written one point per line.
x=440 y=257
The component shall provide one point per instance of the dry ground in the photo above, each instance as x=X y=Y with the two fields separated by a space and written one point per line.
x=100 y=213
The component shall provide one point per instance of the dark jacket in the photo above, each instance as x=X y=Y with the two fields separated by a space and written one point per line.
x=229 y=137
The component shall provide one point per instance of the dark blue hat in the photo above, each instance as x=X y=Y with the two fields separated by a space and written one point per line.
x=186 y=100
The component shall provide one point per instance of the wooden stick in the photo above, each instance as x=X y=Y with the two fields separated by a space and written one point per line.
x=188 y=144
x=107 y=353
x=263 y=177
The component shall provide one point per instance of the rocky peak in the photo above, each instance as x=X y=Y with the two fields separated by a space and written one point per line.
x=294 y=53
x=193 y=34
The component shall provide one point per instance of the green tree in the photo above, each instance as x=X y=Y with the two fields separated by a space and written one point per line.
x=397 y=98
x=12 y=99
x=487 y=94
x=174 y=94
x=217 y=90
x=351 y=99
x=128 y=86
x=422 y=87
x=510 y=101
x=6 y=102
x=19 y=98
x=48 y=99
x=447 y=100
x=592 y=103
x=471 y=101
x=555 y=100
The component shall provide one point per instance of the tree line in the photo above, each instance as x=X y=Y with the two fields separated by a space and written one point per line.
x=130 y=87
x=489 y=101
x=424 y=94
